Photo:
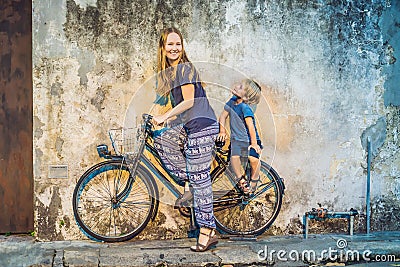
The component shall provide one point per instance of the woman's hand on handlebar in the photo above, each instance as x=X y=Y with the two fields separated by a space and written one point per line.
x=162 y=119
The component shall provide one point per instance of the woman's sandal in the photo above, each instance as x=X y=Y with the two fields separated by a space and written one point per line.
x=212 y=241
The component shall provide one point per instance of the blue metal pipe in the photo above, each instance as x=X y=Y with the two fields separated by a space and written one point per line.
x=368 y=184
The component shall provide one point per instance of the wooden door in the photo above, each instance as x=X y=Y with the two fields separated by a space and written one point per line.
x=16 y=167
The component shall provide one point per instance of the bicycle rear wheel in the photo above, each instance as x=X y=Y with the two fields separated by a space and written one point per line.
x=247 y=215
x=110 y=205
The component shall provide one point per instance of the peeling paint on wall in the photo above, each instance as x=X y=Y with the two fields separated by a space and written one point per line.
x=47 y=215
x=385 y=210
x=99 y=98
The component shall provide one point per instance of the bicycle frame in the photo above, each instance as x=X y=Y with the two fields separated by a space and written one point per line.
x=148 y=140
x=109 y=189
x=172 y=182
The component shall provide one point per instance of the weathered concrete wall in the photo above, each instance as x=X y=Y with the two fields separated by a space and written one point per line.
x=327 y=70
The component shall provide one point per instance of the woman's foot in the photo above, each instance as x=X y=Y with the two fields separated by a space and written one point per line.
x=207 y=239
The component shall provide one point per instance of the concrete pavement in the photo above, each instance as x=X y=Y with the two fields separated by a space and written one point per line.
x=375 y=249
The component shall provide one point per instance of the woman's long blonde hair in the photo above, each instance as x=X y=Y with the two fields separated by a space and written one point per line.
x=165 y=72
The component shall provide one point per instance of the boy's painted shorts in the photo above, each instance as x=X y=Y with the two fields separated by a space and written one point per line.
x=241 y=148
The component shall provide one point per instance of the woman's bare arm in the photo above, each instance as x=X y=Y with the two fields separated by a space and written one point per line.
x=187 y=103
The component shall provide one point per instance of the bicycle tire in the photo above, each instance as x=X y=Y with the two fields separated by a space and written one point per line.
x=237 y=214
x=96 y=210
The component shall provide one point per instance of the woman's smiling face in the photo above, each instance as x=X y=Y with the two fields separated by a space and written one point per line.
x=173 y=48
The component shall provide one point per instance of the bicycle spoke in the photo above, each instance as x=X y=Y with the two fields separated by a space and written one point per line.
x=97 y=206
x=97 y=219
x=96 y=194
x=117 y=181
x=102 y=181
x=134 y=215
x=137 y=203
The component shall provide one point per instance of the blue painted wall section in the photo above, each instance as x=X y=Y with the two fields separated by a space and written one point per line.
x=390 y=25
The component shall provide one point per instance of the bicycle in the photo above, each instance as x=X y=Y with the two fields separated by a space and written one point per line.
x=115 y=199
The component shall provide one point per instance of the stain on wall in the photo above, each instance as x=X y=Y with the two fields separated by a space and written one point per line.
x=325 y=68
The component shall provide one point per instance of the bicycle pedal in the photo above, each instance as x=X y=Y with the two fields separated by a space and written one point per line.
x=186 y=200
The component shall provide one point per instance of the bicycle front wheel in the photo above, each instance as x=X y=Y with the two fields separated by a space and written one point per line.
x=247 y=215
x=110 y=204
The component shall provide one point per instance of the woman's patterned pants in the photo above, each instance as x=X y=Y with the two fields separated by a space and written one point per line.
x=193 y=164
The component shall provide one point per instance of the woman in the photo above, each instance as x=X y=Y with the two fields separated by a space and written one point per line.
x=178 y=82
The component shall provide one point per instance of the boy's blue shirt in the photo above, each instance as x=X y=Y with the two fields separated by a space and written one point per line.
x=237 y=114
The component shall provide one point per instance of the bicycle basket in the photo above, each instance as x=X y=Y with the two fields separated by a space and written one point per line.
x=126 y=141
